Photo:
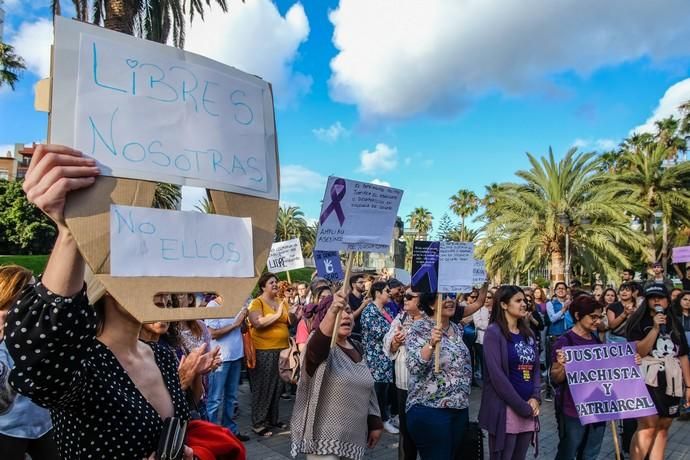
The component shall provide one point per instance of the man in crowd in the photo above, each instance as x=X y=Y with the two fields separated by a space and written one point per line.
x=659 y=277
x=357 y=303
x=224 y=381
x=684 y=278
x=561 y=322
x=628 y=275
x=302 y=293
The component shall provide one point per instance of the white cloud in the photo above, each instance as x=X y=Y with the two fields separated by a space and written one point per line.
x=381 y=182
x=668 y=105
x=396 y=59
x=332 y=133
x=598 y=145
x=297 y=178
x=382 y=158
x=255 y=38
x=32 y=42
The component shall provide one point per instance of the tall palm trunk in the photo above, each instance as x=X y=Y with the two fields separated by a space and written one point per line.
x=664 y=243
x=557 y=266
x=119 y=16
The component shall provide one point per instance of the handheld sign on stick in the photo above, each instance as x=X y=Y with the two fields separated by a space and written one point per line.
x=285 y=256
x=356 y=216
x=149 y=113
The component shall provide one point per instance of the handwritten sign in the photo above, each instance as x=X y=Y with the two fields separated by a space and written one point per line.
x=285 y=255
x=328 y=265
x=478 y=272
x=605 y=383
x=681 y=254
x=156 y=242
x=151 y=112
x=357 y=216
x=425 y=266
x=455 y=267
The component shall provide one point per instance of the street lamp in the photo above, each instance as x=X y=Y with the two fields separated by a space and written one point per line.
x=564 y=219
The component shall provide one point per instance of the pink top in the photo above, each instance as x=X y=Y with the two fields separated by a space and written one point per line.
x=516 y=424
x=302 y=334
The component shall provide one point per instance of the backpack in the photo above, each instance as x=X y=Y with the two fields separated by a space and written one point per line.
x=289 y=362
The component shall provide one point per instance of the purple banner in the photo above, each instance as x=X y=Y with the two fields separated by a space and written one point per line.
x=606 y=384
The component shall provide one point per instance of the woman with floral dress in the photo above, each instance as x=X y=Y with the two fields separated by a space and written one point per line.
x=437 y=403
x=376 y=320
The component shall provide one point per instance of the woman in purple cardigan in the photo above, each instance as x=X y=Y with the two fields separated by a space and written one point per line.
x=510 y=397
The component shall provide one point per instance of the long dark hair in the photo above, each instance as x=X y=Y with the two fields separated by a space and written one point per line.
x=498 y=316
x=672 y=321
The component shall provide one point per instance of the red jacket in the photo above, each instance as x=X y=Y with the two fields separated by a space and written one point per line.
x=213 y=442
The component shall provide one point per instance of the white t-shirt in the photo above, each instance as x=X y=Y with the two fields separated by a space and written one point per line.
x=231 y=347
x=481 y=322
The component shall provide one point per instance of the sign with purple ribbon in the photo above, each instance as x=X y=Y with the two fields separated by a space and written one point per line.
x=328 y=265
x=357 y=216
x=605 y=382
x=425 y=266
x=681 y=254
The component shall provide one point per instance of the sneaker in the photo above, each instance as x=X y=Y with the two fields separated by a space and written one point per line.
x=395 y=421
x=388 y=426
x=286 y=396
x=242 y=437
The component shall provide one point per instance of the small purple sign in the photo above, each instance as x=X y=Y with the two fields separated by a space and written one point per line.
x=328 y=265
x=681 y=254
x=606 y=384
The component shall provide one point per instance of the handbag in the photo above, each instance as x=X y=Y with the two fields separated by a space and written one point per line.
x=472 y=443
x=289 y=362
x=248 y=345
x=172 y=440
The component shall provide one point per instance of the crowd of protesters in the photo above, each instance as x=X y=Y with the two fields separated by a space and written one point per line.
x=81 y=378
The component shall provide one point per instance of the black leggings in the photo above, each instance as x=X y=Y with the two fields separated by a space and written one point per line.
x=382 y=390
x=43 y=448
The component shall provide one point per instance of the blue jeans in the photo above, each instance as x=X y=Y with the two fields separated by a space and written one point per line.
x=438 y=433
x=574 y=436
x=224 y=383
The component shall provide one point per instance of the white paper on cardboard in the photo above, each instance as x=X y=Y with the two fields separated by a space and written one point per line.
x=455 y=266
x=156 y=242
x=357 y=216
x=285 y=255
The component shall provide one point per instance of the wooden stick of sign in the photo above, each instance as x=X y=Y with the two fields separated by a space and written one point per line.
x=615 y=440
x=287 y=272
x=437 y=350
x=346 y=292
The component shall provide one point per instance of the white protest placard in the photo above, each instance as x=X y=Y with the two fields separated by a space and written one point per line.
x=478 y=272
x=455 y=266
x=284 y=256
x=357 y=216
x=157 y=242
x=148 y=111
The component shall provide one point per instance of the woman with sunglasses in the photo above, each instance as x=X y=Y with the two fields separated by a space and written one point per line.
x=394 y=346
x=575 y=439
x=376 y=319
x=619 y=312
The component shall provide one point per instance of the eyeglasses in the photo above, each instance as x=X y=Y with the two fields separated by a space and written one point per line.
x=489 y=297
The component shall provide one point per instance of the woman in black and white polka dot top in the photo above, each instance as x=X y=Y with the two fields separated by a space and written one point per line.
x=108 y=392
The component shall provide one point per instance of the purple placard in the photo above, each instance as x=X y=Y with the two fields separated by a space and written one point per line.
x=328 y=265
x=681 y=254
x=606 y=384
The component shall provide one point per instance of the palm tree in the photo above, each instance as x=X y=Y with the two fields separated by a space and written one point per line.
x=206 y=206
x=668 y=135
x=150 y=19
x=459 y=233
x=167 y=196
x=420 y=219
x=523 y=228
x=660 y=189
x=10 y=65
x=291 y=223
x=610 y=161
x=464 y=204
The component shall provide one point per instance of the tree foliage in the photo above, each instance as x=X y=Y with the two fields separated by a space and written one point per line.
x=24 y=229
x=421 y=220
x=11 y=66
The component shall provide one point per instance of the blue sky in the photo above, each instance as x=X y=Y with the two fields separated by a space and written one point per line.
x=429 y=98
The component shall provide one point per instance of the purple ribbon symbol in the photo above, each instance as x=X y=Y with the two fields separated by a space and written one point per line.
x=336 y=198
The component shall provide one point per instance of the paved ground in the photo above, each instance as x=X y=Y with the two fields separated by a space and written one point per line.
x=278 y=446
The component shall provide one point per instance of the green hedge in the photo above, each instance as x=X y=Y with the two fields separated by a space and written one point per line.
x=34 y=263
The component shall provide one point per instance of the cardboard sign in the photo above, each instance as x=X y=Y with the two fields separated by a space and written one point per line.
x=357 y=216
x=681 y=254
x=455 y=267
x=87 y=211
x=425 y=266
x=328 y=265
x=606 y=384
x=156 y=242
x=285 y=255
